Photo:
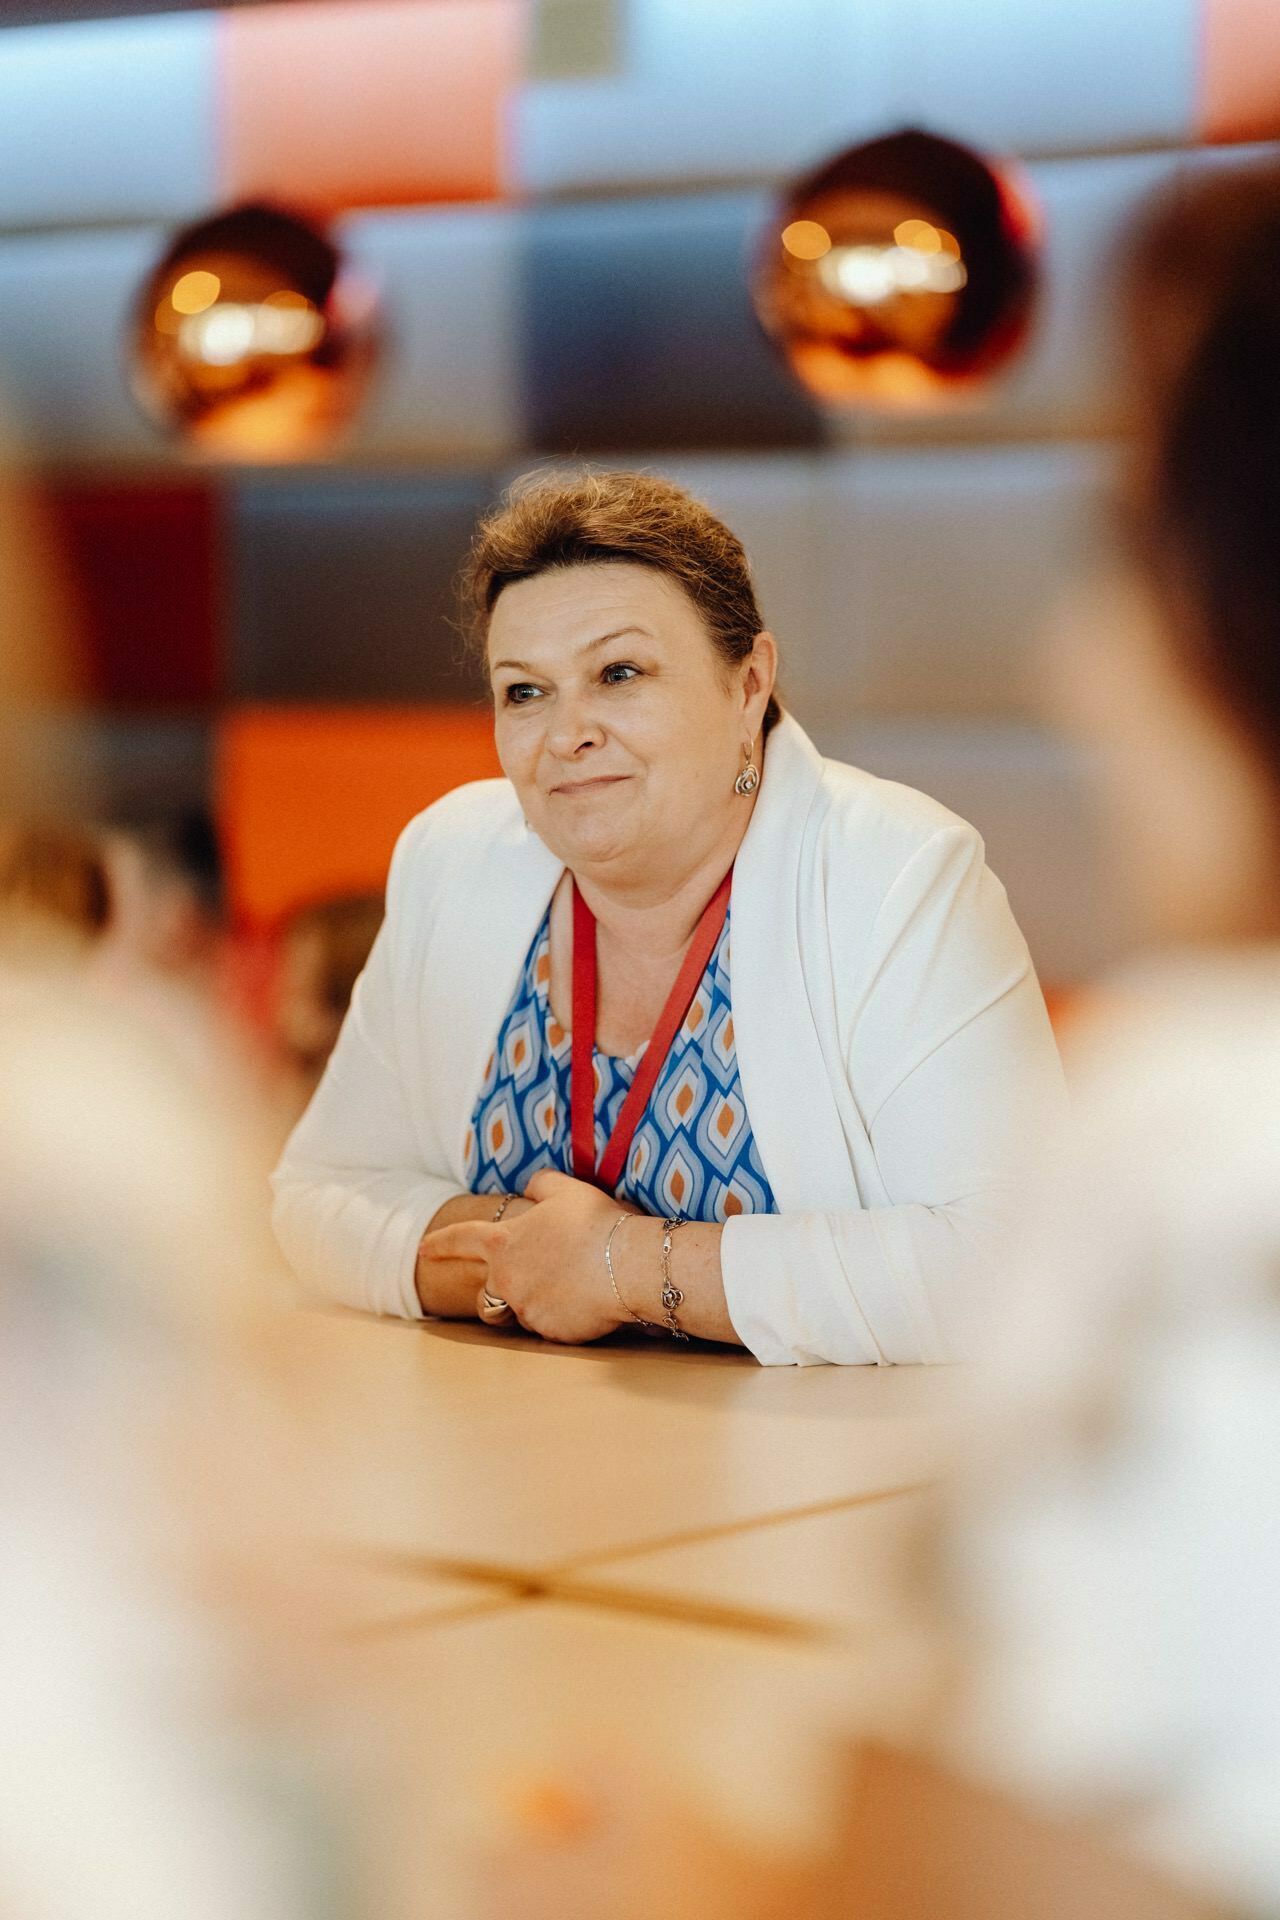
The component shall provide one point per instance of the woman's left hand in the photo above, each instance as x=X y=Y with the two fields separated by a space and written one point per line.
x=548 y=1263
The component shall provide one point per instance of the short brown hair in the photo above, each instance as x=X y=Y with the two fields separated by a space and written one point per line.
x=572 y=519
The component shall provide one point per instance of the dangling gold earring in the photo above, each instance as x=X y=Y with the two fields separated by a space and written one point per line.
x=749 y=779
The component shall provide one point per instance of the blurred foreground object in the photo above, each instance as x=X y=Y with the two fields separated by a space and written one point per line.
x=898 y=275
x=251 y=340
x=1118 y=1555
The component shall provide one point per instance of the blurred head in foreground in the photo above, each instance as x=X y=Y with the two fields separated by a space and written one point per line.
x=1179 y=681
x=1120 y=1552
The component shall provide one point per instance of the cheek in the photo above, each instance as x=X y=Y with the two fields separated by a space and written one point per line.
x=516 y=742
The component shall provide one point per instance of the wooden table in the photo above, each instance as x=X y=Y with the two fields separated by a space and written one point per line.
x=627 y=1547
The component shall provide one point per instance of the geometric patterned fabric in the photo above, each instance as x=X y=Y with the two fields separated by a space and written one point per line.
x=693 y=1154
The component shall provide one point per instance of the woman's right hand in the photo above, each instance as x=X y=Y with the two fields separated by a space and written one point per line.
x=449 y=1289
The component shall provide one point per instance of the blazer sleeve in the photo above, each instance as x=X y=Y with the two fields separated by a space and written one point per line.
x=952 y=1067
x=352 y=1196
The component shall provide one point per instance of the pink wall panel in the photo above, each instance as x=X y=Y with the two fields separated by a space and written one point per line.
x=349 y=103
x=1240 y=80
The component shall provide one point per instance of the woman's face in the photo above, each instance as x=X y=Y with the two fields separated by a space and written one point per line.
x=618 y=724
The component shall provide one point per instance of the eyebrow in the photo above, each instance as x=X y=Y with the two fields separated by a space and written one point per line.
x=591 y=646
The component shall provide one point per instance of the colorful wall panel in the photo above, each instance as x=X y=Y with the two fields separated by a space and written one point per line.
x=344 y=588
x=1241 y=71
x=702 y=93
x=108 y=120
x=311 y=801
x=64 y=304
x=452 y=289
x=909 y=582
x=1040 y=78
x=367 y=102
x=639 y=333
x=144 y=567
x=1030 y=795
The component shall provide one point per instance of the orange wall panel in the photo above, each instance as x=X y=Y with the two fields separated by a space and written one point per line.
x=367 y=102
x=1240 y=77
x=310 y=799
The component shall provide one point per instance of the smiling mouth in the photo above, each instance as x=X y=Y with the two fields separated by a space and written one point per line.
x=590 y=786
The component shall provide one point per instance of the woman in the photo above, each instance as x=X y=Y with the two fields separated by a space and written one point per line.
x=845 y=1096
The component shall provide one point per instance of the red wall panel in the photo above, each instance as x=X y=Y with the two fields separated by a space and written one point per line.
x=142 y=566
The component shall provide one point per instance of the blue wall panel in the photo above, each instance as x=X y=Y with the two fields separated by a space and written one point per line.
x=639 y=331
x=107 y=120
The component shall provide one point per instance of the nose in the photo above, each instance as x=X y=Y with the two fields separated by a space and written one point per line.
x=575 y=728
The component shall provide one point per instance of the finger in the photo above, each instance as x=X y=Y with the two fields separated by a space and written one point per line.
x=546 y=1184
x=468 y=1240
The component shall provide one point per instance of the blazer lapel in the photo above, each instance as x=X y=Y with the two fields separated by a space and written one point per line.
x=777 y=905
x=487 y=920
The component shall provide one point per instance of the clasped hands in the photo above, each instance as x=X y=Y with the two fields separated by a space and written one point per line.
x=545 y=1257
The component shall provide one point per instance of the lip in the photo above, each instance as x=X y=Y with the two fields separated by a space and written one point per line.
x=590 y=786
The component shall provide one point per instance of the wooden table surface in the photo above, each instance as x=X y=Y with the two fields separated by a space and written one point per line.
x=631 y=1548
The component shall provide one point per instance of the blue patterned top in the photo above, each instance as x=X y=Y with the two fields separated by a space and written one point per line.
x=693 y=1153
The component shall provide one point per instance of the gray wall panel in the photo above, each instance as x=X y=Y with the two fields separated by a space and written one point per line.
x=343 y=587
x=64 y=306
x=639 y=333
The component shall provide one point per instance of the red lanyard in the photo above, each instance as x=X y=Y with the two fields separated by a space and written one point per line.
x=582 y=1079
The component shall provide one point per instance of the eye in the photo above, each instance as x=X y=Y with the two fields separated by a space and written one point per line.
x=519 y=694
x=618 y=672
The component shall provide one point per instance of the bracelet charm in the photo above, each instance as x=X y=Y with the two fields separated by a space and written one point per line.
x=672 y=1297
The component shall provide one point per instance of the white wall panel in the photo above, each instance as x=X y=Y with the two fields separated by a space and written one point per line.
x=1032 y=797
x=707 y=90
x=65 y=300
x=1026 y=76
x=938 y=569
x=712 y=90
x=909 y=582
x=450 y=386
x=107 y=120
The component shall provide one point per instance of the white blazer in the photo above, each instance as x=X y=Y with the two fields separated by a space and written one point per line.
x=896 y=1060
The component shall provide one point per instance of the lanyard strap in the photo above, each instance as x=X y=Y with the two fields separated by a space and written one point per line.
x=582 y=1077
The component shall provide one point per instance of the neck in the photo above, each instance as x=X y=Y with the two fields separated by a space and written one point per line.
x=655 y=912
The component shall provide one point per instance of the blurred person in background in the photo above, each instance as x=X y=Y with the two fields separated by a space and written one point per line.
x=1110 y=1560
x=168 y=909
x=839 y=1116
x=170 y=958
x=323 y=950
x=53 y=887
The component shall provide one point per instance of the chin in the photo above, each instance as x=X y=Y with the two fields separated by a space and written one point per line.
x=590 y=842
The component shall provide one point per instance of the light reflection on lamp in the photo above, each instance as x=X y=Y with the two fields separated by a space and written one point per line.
x=898 y=275
x=251 y=340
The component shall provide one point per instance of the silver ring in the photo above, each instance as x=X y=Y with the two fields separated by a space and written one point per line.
x=495 y=1312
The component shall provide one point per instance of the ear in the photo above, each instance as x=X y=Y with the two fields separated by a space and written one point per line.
x=759 y=673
